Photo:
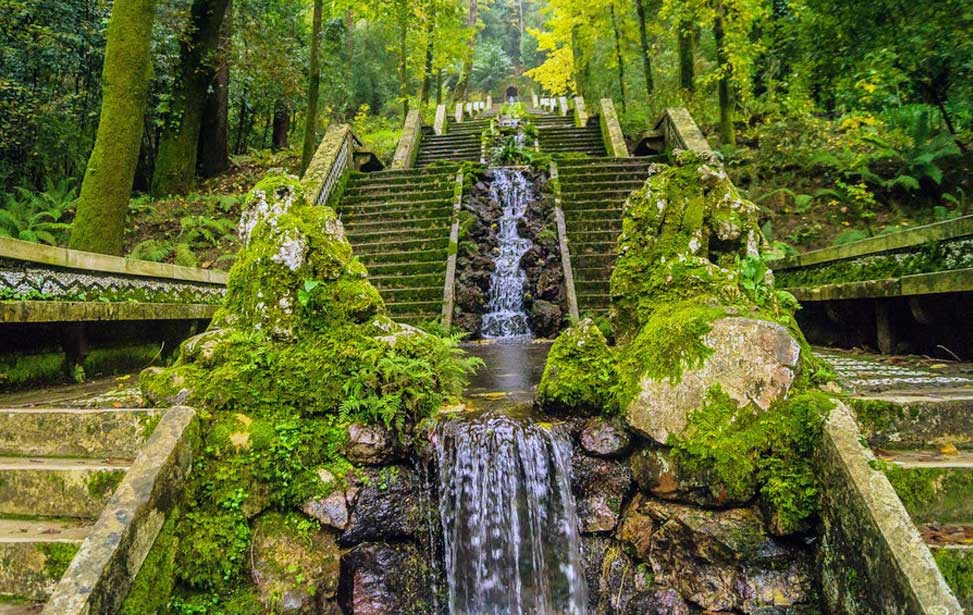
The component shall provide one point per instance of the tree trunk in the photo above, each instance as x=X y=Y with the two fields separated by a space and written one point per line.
x=462 y=88
x=404 y=56
x=99 y=225
x=175 y=165
x=687 y=58
x=727 y=131
x=282 y=126
x=439 y=87
x=644 y=40
x=214 y=137
x=430 y=52
x=242 y=120
x=618 y=55
x=314 y=89
x=580 y=69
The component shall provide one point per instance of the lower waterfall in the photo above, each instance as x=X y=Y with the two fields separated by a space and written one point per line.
x=510 y=528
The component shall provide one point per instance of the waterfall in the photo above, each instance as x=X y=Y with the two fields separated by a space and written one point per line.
x=505 y=317
x=510 y=528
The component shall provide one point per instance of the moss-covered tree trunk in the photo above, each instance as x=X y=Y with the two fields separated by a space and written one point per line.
x=404 y=56
x=107 y=187
x=175 y=166
x=727 y=131
x=687 y=58
x=314 y=88
x=618 y=56
x=427 y=75
x=282 y=126
x=644 y=42
x=213 y=155
x=462 y=88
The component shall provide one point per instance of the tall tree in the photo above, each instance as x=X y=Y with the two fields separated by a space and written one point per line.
x=314 y=88
x=462 y=88
x=99 y=225
x=727 y=130
x=687 y=57
x=175 y=165
x=430 y=52
x=213 y=156
x=644 y=42
x=618 y=54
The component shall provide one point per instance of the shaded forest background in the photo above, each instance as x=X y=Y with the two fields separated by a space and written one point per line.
x=842 y=119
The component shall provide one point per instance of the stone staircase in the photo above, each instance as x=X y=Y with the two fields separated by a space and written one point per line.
x=58 y=469
x=917 y=423
x=399 y=223
x=462 y=142
x=558 y=135
x=593 y=192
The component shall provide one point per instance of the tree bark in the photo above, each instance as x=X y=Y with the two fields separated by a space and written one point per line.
x=727 y=130
x=618 y=55
x=462 y=88
x=99 y=225
x=644 y=40
x=427 y=75
x=242 y=120
x=687 y=58
x=314 y=89
x=214 y=138
x=282 y=126
x=404 y=56
x=175 y=165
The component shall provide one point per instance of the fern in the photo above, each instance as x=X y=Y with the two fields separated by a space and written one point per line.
x=155 y=250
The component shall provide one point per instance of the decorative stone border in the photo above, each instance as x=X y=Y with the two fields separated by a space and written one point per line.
x=101 y=574
x=873 y=559
x=92 y=311
x=563 y=247
x=405 y=153
x=324 y=178
x=611 y=130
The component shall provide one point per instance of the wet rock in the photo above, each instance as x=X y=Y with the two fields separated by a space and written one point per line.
x=385 y=579
x=604 y=438
x=203 y=348
x=629 y=588
x=657 y=472
x=600 y=488
x=752 y=360
x=720 y=560
x=293 y=566
x=545 y=318
x=593 y=550
x=332 y=509
x=387 y=506
x=369 y=444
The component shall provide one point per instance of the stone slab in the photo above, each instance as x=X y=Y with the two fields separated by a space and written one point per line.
x=29 y=570
x=75 y=488
x=88 y=311
x=408 y=147
x=85 y=432
x=100 y=576
x=682 y=132
x=915 y=419
x=938 y=282
x=611 y=130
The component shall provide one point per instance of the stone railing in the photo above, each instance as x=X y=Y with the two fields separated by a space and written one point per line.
x=41 y=283
x=681 y=132
x=580 y=114
x=100 y=576
x=439 y=124
x=324 y=178
x=408 y=148
x=874 y=560
x=449 y=289
x=932 y=259
x=611 y=130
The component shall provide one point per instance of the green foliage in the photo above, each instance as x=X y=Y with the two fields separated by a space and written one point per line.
x=579 y=376
x=957 y=568
x=213 y=548
x=198 y=231
x=39 y=217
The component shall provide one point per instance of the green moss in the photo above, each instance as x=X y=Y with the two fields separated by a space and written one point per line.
x=58 y=556
x=103 y=483
x=957 y=568
x=18 y=371
x=747 y=451
x=212 y=549
x=933 y=495
x=155 y=581
x=579 y=375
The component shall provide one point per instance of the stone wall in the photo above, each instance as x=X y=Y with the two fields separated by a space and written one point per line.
x=611 y=130
x=405 y=153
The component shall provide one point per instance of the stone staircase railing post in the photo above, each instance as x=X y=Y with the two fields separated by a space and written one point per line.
x=681 y=131
x=580 y=114
x=611 y=130
x=562 y=102
x=439 y=125
x=489 y=103
x=449 y=291
x=458 y=116
x=564 y=247
x=535 y=101
x=325 y=174
x=405 y=153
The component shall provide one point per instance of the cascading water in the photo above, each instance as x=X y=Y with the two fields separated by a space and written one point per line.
x=505 y=317
x=510 y=528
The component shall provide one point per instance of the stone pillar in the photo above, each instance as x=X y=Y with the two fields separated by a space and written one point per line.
x=405 y=153
x=885 y=333
x=533 y=98
x=580 y=114
x=459 y=113
x=439 y=126
x=489 y=103
x=611 y=130
x=563 y=103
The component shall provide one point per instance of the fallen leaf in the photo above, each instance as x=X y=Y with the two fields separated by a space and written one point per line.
x=948 y=449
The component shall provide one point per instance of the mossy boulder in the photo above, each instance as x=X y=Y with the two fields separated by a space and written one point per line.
x=295 y=563
x=579 y=376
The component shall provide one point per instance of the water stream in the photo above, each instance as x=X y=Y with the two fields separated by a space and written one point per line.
x=510 y=528
x=505 y=317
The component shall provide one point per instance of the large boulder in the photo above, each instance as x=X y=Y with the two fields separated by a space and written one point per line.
x=629 y=588
x=579 y=374
x=387 y=506
x=294 y=564
x=385 y=579
x=658 y=472
x=753 y=362
x=604 y=438
x=600 y=488
x=331 y=509
x=369 y=444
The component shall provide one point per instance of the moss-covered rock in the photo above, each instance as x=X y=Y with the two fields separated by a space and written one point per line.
x=579 y=376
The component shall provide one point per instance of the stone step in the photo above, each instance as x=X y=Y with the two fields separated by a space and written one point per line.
x=599 y=236
x=582 y=215
x=395 y=223
x=392 y=257
x=416 y=309
x=414 y=196
x=600 y=262
x=418 y=179
x=386 y=269
x=411 y=295
x=364 y=189
x=49 y=487
x=392 y=205
x=409 y=280
x=587 y=287
x=592 y=301
x=416 y=245
x=398 y=174
x=440 y=210
x=431 y=152
x=916 y=419
x=604 y=175
x=84 y=432
x=621 y=163
x=34 y=554
x=934 y=487
x=598 y=248
x=398 y=234
x=572 y=205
